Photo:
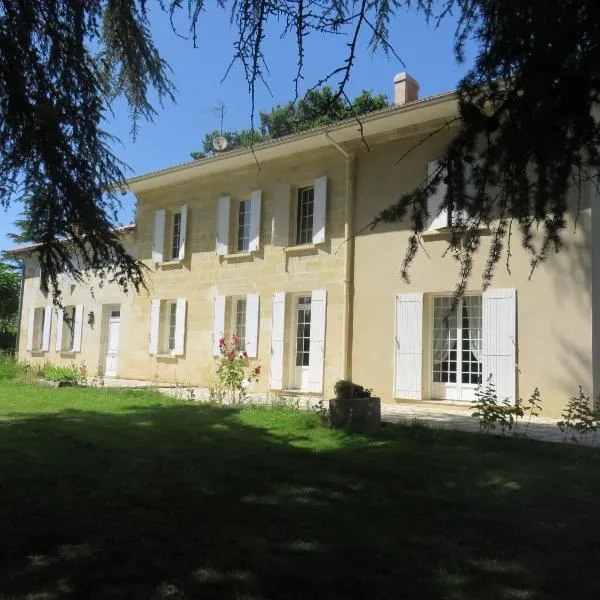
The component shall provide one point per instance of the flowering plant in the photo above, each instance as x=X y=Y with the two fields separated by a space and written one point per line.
x=233 y=373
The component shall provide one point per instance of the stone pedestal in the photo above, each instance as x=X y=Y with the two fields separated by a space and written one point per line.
x=356 y=414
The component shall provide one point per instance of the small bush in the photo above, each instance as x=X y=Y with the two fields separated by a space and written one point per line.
x=69 y=374
x=579 y=418
x=347 y=389
x=9 y=367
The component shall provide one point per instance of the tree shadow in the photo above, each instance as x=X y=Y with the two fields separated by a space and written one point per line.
x=194 y=501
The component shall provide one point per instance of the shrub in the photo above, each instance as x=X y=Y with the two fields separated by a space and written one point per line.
x=67 y=374
x=579 y=418
x=234 y=374
x=9 y=367
x=347 y=389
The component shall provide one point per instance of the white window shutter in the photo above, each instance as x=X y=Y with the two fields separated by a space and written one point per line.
x=218 y=324
x=46 y=330
x=154 y=325
x=318 y=312
x=408 y=340
x=78 y=325
x=180 y=326
x=183 y=231
x=255 y=202
x=437 y=219
x=223 y=225
x=60 y=313
x=319 y=211
x=280 y=225
x=499 y=340
x=30 y=326
x=277 y=338
x=67 y=276
x=158 y=247
x=252 y=316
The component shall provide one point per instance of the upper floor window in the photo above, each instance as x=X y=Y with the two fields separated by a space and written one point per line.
x=304 y=215
x=240 y=234
x=169 y=235
x=243 y=228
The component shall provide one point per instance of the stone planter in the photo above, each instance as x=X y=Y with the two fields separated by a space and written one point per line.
x=356 y=414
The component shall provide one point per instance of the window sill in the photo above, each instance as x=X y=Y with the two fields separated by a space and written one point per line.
x=241 y=256
x=68 y=353
x=170 y=264
x=301 y=249
x=166 y=355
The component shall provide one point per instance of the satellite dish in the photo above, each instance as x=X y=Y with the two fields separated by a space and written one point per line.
x=219 y=143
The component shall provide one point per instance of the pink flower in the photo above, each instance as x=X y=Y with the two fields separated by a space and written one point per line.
x=222 y=342
x=245 y=354
x=257 y=370
x=231 y=355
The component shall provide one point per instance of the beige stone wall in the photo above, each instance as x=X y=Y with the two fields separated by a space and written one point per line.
x=95 y=299
x=202 y=274
x=553 y=307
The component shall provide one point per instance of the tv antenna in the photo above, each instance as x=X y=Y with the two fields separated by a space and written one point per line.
x=220 y=142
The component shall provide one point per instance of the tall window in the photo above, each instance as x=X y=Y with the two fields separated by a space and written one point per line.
x=172 y=325
x=243 y=237
x=303 y=332
x=457 y=340
x=239 y=326
x=304 y=217
x=176 y=240
x=68 y=328
x=38 y=328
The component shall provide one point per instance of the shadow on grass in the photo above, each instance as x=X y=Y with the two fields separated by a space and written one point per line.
x=193 y=501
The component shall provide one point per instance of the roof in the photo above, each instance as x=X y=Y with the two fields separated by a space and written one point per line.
x=31 y=247
x=374 y=123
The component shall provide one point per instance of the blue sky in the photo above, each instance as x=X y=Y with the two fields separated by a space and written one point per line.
x=179 y=127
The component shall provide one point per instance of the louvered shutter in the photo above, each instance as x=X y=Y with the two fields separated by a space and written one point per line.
x=30 y=328
x=159 y=236
x=255 y=204
x=180 y=310
x=437 y=219
x=280 y=226
x=319 y=211
x=154 y=325
x=318 y=312
x=223 y=225
x=78 y=328
x=46 y=329
x=252 y=317
x=218 y=324
x=499 y=340
x=182 y=231
x=59 y=329
x=408 y=340
x=277 y=340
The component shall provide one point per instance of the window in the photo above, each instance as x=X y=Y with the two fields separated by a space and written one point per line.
x=239 y=321
x=457 y=340
x=243 y=229
x=176 y=237
x=171 y=325
x=304 y=215
x=303 y=332
x=39 y=321
x=171 y=225
x=68 y=330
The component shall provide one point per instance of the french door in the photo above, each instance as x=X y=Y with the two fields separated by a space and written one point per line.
x=456 y=347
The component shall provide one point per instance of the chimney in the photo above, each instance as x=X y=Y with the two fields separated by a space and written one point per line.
x=406 y=89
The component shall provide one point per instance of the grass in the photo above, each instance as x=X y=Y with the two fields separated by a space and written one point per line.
x=129 y=494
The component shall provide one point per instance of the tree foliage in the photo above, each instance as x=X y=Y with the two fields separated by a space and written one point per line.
x=317 y=108
x=10 y=287
x=527 y=127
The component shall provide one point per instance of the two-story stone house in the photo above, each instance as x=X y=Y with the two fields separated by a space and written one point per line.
x=260 y=244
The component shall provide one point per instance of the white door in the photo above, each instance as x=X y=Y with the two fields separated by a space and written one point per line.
x=112 y=343
x=301 y=358
x=456 y=347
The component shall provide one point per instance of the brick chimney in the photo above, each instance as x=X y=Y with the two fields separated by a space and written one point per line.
x=406 y=89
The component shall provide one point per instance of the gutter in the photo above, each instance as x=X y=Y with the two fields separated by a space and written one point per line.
x=348 y=258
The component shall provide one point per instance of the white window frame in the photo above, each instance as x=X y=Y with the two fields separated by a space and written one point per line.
x=243 y=237
x=298 y=230
x=167 y=326
x=235 y=302
x=169 y=242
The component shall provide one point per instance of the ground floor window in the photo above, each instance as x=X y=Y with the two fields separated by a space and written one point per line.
x=456 y=346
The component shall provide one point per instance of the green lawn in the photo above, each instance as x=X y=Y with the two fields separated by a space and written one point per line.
x=110 y=495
